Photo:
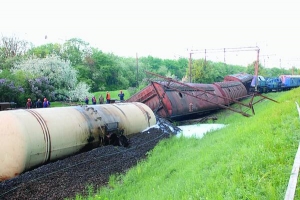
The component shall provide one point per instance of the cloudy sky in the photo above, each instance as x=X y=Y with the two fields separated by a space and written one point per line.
x=164 y=28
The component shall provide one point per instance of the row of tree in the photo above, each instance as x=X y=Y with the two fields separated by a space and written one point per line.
x=75 y=69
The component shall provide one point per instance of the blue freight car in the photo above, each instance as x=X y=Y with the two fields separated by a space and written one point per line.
x=290 y=81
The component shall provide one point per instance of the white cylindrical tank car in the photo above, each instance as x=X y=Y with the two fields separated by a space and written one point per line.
x=32 y=137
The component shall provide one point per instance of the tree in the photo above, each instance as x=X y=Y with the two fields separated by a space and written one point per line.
x=103 y=71
x=182 y=66
x=75 y=50
x=11 y=51
x=40 y=88
x=151 y=63
x=45 y=50
x=12 y=46
x=176 y=67
x=9 y=91
x=129 y=72
x=80 y=92
x=202 y=71
x=208 y=72
x=59 y=73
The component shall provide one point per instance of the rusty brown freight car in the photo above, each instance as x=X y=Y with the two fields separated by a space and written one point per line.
x=244 y=78
x=181 y=101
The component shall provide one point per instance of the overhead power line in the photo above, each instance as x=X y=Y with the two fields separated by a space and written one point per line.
x=224 y=50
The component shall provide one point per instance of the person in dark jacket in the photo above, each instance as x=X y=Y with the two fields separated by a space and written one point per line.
x=39 y=103
x=121 y=95
x=86 y=100
x=94 y=100
x=46 y=103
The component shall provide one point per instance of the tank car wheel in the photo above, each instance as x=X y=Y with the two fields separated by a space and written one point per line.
x=123 y=141
x=101 y=141
x=106 y=140
x=114 y=140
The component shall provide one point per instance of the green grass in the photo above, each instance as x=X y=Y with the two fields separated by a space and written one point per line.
x=251 y=158
x=113 y=94
x=58 y=104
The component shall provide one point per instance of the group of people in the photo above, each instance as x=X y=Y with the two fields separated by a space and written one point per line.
x=38 y=103
x=101 y=98
x=46 y=103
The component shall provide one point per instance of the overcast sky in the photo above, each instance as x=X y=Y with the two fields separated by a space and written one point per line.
x=163 y=28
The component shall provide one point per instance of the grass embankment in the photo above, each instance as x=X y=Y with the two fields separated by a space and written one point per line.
x=251 y=158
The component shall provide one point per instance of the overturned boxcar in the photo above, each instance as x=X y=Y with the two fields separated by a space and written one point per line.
x=178 y=101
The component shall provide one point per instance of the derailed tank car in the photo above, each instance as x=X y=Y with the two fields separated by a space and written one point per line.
x=32 y=137
x=244 y=78
x=181 y=101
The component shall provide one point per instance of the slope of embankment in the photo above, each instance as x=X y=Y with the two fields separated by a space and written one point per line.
x=251 y=158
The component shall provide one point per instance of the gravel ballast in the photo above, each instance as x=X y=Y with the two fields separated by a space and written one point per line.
x=70 y=176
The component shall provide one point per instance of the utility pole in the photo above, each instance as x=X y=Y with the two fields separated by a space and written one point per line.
x=224 y=56
x=224 y=50
x=280 y=63
x=256 y=70
x=137 y=71
x=190 y=67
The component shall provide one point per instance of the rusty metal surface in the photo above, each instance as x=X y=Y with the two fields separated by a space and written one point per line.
x=173 y=103
x=184 y=104
x=232 y=90
x=31 y=137
x=147 y=96
x=174 y=99
x=244 y=78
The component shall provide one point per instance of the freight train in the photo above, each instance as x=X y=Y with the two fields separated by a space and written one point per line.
x=175 y=100
x=33 y=137
x=275 y=84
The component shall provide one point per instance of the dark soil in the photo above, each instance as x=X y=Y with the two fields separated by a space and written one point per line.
x=70 y=176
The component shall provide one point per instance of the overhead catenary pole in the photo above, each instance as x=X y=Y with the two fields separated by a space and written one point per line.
x=137 y=70
x=224 y=50
x=280 y=63
x=190 y=68
x=256 y=70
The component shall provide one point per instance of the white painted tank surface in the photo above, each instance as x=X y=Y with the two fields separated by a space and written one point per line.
x=32 y=137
